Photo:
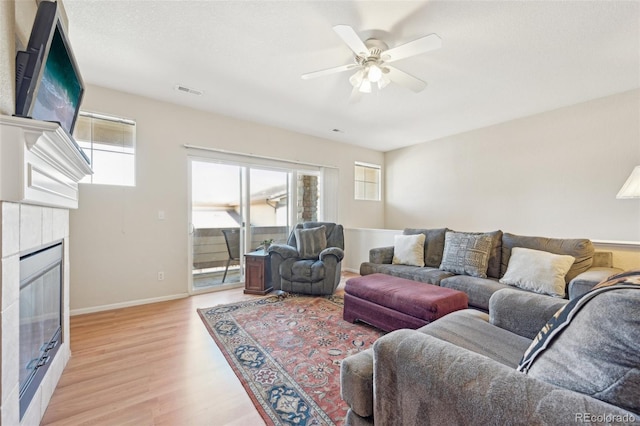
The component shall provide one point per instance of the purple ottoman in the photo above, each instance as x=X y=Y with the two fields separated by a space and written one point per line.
x=390 y=303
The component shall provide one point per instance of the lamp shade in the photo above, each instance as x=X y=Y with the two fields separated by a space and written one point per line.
x=631 y=188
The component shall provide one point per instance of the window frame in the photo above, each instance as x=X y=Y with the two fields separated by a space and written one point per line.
x=362 y=195
x=90 y=147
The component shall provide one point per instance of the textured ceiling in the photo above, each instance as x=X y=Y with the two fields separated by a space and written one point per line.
x=500 y=60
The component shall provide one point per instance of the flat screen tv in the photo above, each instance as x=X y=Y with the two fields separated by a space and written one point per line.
x=49 y=86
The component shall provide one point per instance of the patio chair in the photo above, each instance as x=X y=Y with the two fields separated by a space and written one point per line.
x=232 y=240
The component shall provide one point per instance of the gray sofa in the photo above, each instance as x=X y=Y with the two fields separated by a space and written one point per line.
x=461 y=369
x=589 y=268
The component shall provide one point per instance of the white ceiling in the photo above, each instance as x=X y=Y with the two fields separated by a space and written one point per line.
x=499 y=60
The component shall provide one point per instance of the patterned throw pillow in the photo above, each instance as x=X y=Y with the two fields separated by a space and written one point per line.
x=466 y=253
x=538 y=271
x=592 y=344
x=408 y=250
x=310 y=242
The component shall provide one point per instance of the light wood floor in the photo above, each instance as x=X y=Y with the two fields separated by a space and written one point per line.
x=154 y=364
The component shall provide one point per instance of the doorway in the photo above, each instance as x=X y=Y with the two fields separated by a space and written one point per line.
x=234 y=209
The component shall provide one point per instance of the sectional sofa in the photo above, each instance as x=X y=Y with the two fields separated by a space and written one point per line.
x=507 y=367
x=445 y=262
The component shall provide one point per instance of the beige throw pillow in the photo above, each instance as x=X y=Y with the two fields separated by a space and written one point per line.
x=538 y=271
x=408 y=250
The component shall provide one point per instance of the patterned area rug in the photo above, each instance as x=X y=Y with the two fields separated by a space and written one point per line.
x=286 y=351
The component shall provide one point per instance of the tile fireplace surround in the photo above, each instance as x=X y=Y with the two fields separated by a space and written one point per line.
x=40 y=167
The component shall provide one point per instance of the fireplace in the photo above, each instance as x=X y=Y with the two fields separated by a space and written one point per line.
x=40 y=168
x=40 y=334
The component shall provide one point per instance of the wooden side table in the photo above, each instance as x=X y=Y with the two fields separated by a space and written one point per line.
x=257 y=279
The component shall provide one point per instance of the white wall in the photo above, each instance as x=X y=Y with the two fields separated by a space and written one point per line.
x=358 y=242
x=554 y=174
x=117 y=243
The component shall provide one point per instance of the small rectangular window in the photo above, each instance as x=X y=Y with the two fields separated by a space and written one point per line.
x=109 y=142
x=367 y=182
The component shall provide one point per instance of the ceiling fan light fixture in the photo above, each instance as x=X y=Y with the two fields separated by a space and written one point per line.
x=365 y=86
x=356 y=79
x=374 y=73
x=383 y=82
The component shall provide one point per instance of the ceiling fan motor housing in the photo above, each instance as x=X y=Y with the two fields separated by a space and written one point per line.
x=376 y=47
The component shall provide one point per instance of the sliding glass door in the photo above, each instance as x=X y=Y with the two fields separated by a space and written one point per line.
x=234 y=209
x=269 y=206
x=216 y=224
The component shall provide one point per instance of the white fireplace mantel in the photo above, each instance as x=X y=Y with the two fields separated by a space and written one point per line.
x=40 y=167
x=39 y=163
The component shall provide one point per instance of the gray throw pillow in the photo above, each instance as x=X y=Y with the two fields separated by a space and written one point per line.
x=310 y=242
x=466 y=253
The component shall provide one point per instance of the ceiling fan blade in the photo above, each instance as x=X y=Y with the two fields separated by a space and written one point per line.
x=328 y=71
x=349 y=36
x=415 y=47
x=405 y=80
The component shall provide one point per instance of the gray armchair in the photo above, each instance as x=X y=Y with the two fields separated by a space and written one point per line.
x=310 y=261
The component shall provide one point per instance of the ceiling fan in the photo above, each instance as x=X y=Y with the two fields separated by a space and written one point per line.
x=371 y=59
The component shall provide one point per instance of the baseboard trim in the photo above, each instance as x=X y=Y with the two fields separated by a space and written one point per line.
x=126 y=304
x=355 y=271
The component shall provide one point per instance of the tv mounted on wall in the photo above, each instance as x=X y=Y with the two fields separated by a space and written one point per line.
x=49 y=86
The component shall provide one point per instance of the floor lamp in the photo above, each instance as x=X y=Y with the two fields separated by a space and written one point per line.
x=631 y=188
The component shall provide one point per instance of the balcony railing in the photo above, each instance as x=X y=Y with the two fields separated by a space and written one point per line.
x=210 y=249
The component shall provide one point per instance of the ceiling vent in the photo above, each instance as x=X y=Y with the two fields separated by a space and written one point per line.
x=185 y=89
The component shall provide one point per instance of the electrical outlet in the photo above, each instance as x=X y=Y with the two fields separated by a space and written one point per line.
x=160 y=276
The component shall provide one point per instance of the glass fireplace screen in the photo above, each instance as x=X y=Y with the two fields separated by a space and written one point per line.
x=40 y=317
